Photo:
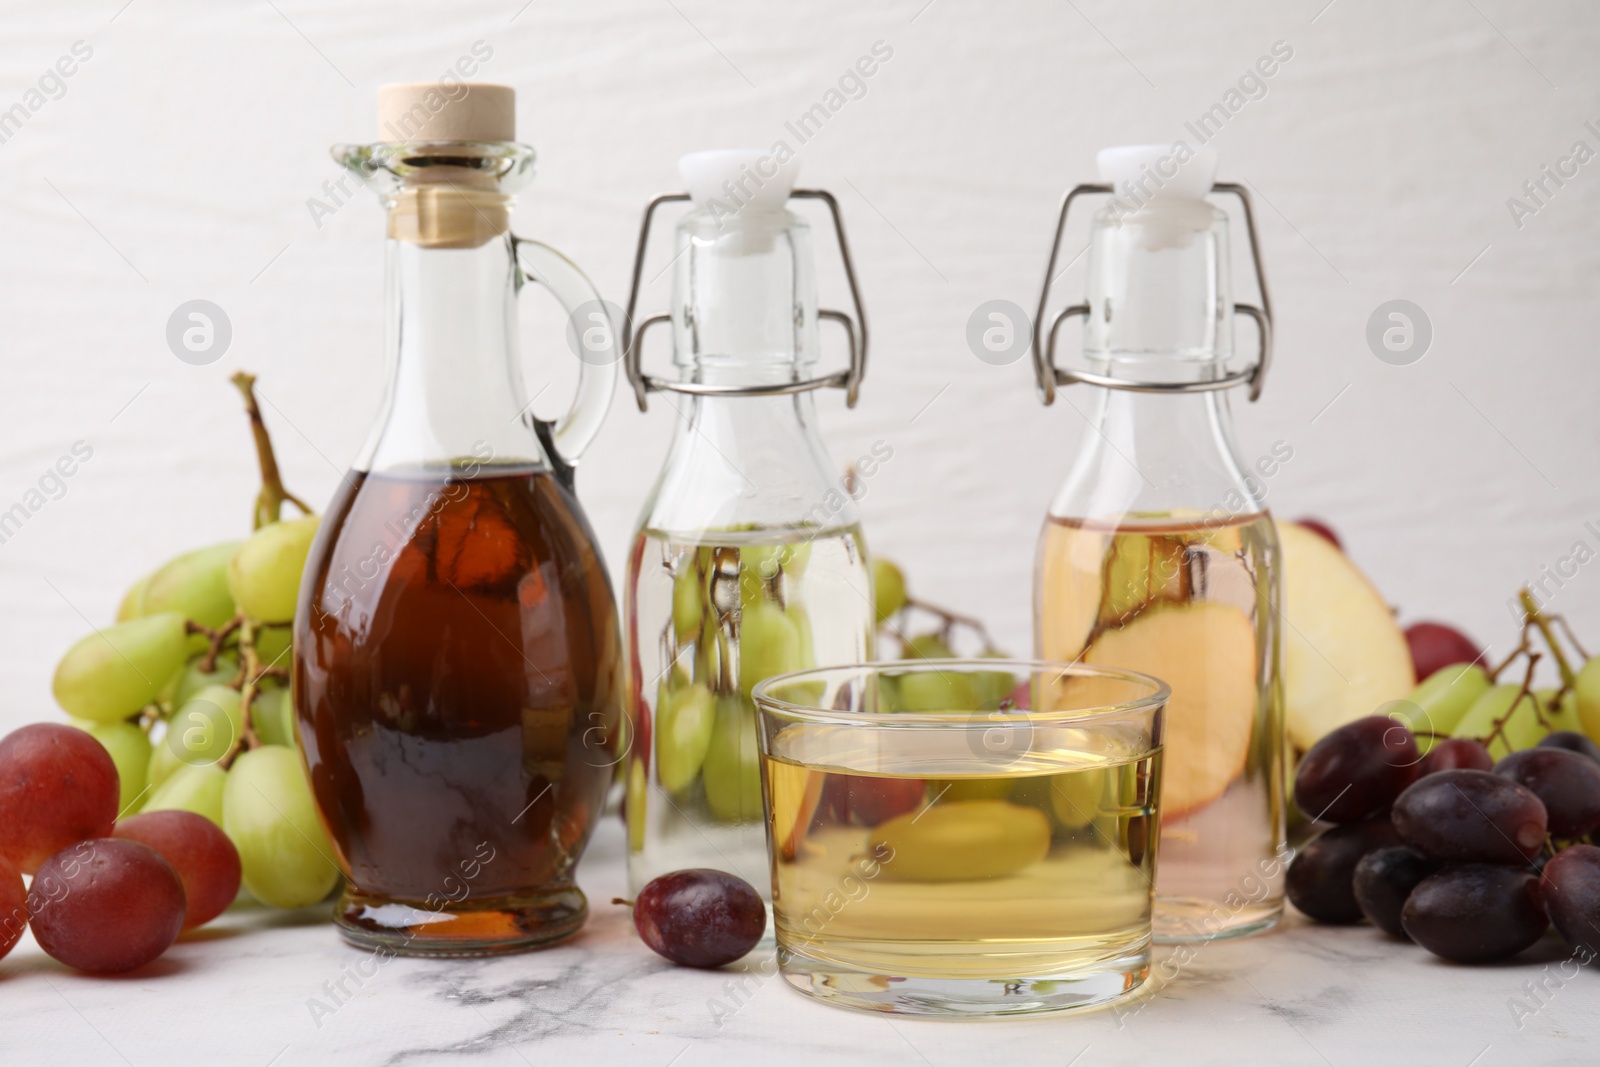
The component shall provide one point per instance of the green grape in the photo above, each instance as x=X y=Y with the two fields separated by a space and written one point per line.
x=130 y=750
x=195 y=585
x=732 y=770
x=1075 y=797
x=1587 y=694
x=966 y=840
x=204 y=728
x=268 y=812
x=685 y=719
x=132 y=605
x=1559 y=714
x=927 y=646
x=769 y=643
x=636 y=804
x=194 y=787
x=991 y=688
x=1441 y=701
x=272 y=717
x=1522 y=729
x=275 y=646
x=192 y=679
x=688 y=593
x=766 y=562
x=110 y=675
x=264 y=575
x=888 y=588
x=163 y=761
x=936 y=690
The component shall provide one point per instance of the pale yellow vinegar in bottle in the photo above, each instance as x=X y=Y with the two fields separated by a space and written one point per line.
x=1188 y=601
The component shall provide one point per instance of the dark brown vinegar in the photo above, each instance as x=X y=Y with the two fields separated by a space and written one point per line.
x=459 y=693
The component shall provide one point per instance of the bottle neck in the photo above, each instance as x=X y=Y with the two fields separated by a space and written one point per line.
x=747 y=462
x=1154 y=454
x=455 y=385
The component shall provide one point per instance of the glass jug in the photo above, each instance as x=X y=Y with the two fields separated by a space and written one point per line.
x=457 y=680
x=749 y=559
x=1159 y=554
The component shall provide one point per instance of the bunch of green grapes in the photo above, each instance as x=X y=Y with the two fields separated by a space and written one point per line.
x=738 y=607
x=936 y=690
x=188 y=691
x=1500 y=709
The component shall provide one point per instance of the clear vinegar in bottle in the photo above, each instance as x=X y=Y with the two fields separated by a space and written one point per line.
x=749 y=559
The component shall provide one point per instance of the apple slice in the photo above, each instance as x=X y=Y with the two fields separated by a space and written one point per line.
x=1206 y=653
x=796 y=792
x=1344 y=656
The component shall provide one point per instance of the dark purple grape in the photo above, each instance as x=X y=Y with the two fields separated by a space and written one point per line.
x=1570 y=888
x=1454 y=754
x=1476 y=912
x=1568 y=784
x=1384 y=879
x=1471 y=817
x=1321 y=875
x=700 y=917
x=1572 y=741
x=1356 y=771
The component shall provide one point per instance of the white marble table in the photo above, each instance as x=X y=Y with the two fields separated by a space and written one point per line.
x=242 y=993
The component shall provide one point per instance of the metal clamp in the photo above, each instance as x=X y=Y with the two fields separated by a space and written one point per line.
x=1044 y=354
x=855 y=329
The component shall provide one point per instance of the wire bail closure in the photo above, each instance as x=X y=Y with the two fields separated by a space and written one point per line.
x=1049 y=376
x=855 y=329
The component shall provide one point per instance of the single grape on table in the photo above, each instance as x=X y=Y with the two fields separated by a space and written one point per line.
x=106 y=905
x=700 y=917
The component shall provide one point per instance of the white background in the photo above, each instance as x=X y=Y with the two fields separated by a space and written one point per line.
x=179 y=162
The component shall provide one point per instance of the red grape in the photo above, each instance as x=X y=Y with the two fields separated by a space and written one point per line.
x=13 y=906
x=1568 y=784
x=877 y=800
x=1570 y=888
x=1456 y=753
x=1471 y=817
x=58 y=786
x=1384 y=879
x=1572 y=741
x=1475 y=913
x=106 y=905
x=1434 y=645
x=700 y=917
x=1322 y=530
x=206 y=861
x=1321 y=876
x=1356 y=771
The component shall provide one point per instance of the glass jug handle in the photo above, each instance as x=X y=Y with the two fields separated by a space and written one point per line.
x=574 y=432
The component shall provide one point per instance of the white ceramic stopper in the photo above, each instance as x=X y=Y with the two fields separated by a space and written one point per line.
x=1146 y=172
x=738 y=178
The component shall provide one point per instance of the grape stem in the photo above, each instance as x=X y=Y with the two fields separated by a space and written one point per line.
x=270 y=501
x=1522 y=649
x=248 y=683
x=622 y=900
x=1498 y=726
x=1537 y=618
x=949 y=621
x=217 y=637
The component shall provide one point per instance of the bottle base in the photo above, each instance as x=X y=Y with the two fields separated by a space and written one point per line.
x=1191 y=920
x=491 y=927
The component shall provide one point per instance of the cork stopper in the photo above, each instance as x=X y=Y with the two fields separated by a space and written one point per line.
x=446 y=111
x=444 y=205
